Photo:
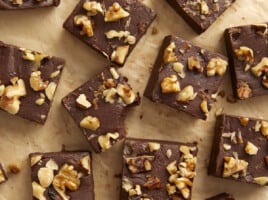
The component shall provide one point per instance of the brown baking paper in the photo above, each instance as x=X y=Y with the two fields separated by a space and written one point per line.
x=41 y=30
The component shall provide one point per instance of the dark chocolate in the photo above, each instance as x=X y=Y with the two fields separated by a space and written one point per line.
x=247 y=49
x=28 y=81
x=99 y=107
x=239 y=150
x=62 y=175
x=113 y=35
x=222 y=196
x=26 y=4
x=152 y=169
x=200 y=14
x=186 y=77
x=3 y=174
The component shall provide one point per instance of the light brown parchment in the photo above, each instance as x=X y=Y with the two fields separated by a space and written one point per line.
x=41 y=30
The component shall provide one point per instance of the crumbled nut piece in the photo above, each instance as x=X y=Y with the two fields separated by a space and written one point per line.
x=119 y=55
x=251 y=149
x=261 y=67
x=257 y=126
x=169 y=153
x=171 y=189
x=109 y=95
x=243 y=90
x=135 y=191
x=169 y=54
x=112 y=34
x=115 y=12
x=152 y=183
x=187 y=94
x=36 y=82
x=247 y=68
x=204 y=8
x=114 y=73
x=90 y=122
x=126 y=93
x=260 y=29
x=227 y=147
x=38 y=191
x=244 y=121
x=194 y=64
x=40 y=101
x=182 y=184
x=204 y=106
x=85 y=162
x=93 y=8
x=14 y=168
x=131 y=39
x=82 y=101
x=172 y=167
x=55 y=74
x=178 y=67
x=263 y=180
x=36 y=57
x=153 y=146
x=45 y=176
x=10 y=99
x=245 y=54
x=170 y=84
x=216 y=66
x=105 y=140
x=233 y=166
x=2 y=89
x=139 y=164
x=239 y=137
x=85 y=22
x=68 y=178
x=109 y=83
x=50 y=90
x=265 y=81
x=126 y=184
x=218 y=111
x=51 y=164
x=35 y=159
x=264 y=128
x=28 y=55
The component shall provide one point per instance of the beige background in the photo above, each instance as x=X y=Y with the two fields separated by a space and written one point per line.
x=41 y=30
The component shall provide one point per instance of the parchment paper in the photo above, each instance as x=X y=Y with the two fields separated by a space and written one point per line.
x=41 y=30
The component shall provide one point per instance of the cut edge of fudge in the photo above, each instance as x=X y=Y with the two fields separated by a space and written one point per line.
x=62 y=175
x=32 y=4
x=207 y=95
x=222 y=196
x=3 y=174
x=118 y=44
x=99 y=108
x=149 y=151
x=28 y=82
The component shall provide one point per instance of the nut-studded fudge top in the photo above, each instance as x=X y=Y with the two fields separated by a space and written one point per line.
x=158 y=169
x=23 y=4
x=111 y=27
x=28 y=81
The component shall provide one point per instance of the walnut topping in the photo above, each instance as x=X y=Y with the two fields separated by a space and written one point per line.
x=105 y=140
x=10 y=98
x=115 y=12
x=55 y=74
x=93 y=8
x=51 y=164
x=172 y=167
x=261 y=67
x=126 y=184
x=140 y=164
x=194 y=64
x=170 y=84
x=119 y=55
x=36 y=57
x=233 y=166
x=260 y=29
x=244 y=121
x=114 y=73
x=227 y=147
x=204 y=106
x=90 y=122
x=251 y=149
x=263 y=180
x=135 y=191
x=50 y=90
x=169 y=153
x=264 y=128
x=171 y=189
x=216 y=66
x=178 y=67
x=204 y=8
x=85 y=162
x=243 y=90
x=125 y=92
x=2 y=89
x=38 y=191
x=82 y=101
x=109 y=95
x=112 y=34
x=187 y=94
x=85 y=22
x=35 y=159
x=45 y=176
x=67 y=178
x=152 y=183
x=153 y=146
x=231 y=135
x=36 y=82
x=169 y=54
x=245 y=54
x=40 y=101
x=257 y=126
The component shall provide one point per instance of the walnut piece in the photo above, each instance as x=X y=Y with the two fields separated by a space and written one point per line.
x=35 y=159
x=264 y=128
x=50 y=90
x=36 y=82
x=90 y=122
x=178 y=67
x=36 y=57
x=140 y=163
x=51 y=164
x=85 y=22
x=126 y=93
x=263 y=180
x=82 y=101
x=204 y=8
x=216 y=66
x=245 y=54
x=153 y=146
x=45 y=176
x=85 y=162
x=243 y=90
x=233 y=166
x=169 y=54
x=152 y=183
x=204 y=106
x=194 y=64
x=93 y=8
x=170 y=84
x=244 y=121
x=109 y=95
x=186 y=94
x=115 y=12
x=261 y=67
x=2 y=90
x=251 y=149
x=105 y=140
x=260 y=29
x=119 y=55
x=114 y=73
x=38 y=191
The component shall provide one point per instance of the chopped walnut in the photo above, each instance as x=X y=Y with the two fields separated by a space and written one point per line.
x=105 y=140
x=204 y=106
x=251 y=149
x=169 y=54
x=125 y=92
x=82 y=101
x=38 y=191
x=45 y=176
x=119 y=55
x=153 y=146
x=260 y=29
x=36 y=57
x=36 y=82
x=50 y=90
x=85 y=22
x=204 y=8
x=264 y=128
x=243 y=90
x=85 y=162
x=135 y=191
x=51 y=164
x=152 y=183
x=139 y=164
x=261 y=67
x=244 y=121
x=178 y=67
x=169 y=153
x=93 y=8
x=2 y=90
x=245 y=54
x=119 y=34
x=233 y=166
x=115 y=12
x=172 y=167
x=263 y=180
x=216 y=66
x=55 y=74
x=90 y=122
x=187 y=94
x=170 y=84
x=35 y=159
x=194 y=64
x=227 y=147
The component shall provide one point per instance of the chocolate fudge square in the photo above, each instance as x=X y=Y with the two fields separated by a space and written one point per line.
x=200 y=14
x=112 y=28
x=247 y=49
x=240 y=150
x=28 y=81
x=99 y=107
x=186 y=77
x=62 y=175
x=155 y=169
x=222 y=196
x=26 y=4
x=3 y=175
